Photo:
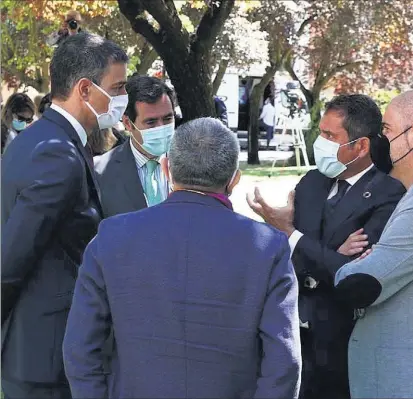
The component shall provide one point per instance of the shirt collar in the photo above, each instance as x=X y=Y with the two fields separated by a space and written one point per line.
x=354 y=179
x=74 y=122
x=139 y=157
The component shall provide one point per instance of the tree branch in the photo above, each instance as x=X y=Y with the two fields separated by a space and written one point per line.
x=165 y=13
x=340 y=68
x=211 y=24
x=305 y=23
x=132 y=11
x=223 y=65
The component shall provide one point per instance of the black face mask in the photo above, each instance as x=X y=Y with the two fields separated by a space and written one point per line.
x=380 y=153
x=408 y=152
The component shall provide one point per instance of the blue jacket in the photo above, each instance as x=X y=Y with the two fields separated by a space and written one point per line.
x=203 y=304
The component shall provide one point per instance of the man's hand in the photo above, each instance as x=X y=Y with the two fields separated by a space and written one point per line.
x=355 y=244
x=364 y=255
x=280 y=218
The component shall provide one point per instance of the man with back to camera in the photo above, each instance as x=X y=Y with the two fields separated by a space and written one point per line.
x=130 y=175
x=50 y=211
x=338 y=211
x=192 y=317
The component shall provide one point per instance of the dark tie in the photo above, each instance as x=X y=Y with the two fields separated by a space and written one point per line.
x=89 y=153
x=341 y=192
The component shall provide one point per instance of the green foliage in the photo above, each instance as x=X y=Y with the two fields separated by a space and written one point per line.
x=383 y=97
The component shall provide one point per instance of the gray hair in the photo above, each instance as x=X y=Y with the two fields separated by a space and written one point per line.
x=204 y=154
x=82 y=56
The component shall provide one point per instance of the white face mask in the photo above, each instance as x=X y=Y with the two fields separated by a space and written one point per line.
x=116 y=108
x=156 y=140
x=326 y=157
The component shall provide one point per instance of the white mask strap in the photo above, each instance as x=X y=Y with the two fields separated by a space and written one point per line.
x=102 y=91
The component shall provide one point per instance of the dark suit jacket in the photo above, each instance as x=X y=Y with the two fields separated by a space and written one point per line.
x=368 y=204
x=121 y=188
x=50 y=211
x=197 y=294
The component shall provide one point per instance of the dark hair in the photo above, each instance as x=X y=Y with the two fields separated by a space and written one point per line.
x=361 y=115
x=45 y=103
x=145 y=89
x=4 y=135
x=16 y=103
x=82 y=56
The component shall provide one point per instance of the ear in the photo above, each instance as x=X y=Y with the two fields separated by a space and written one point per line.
x=83 y=87
x=234 y=182
x=364 y=144
x=126 y=123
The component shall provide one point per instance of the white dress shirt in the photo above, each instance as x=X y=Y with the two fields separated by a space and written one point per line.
x=296 y=235
x=268 y=114
x=159 y=176
x=73 y=121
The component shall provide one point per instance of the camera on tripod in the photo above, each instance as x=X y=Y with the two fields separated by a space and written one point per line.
x=291 y=100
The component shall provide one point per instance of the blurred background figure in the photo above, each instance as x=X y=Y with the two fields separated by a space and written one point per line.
x=71 y=26
x=44 y=103
x=102 y=141
x=17 y=114
x=221 y=110
x=267 y=118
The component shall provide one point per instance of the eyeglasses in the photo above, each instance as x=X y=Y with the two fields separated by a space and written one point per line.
x=23 y=119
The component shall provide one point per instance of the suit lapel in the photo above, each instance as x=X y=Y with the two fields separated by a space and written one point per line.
x=60 y=120
x=131 y=182
x=315 y=195
x=354 y=201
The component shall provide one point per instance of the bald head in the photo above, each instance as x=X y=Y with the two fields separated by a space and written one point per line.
x=398 y=128
x=402 y=105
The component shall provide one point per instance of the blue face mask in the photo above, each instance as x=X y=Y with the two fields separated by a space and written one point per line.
x=157 y=140
x=18 y=126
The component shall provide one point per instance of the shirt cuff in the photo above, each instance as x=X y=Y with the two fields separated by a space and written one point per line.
x=293 y=240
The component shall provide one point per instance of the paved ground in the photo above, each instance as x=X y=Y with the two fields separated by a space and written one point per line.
x=275 y=190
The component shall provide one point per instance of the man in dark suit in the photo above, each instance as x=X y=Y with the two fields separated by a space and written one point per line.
x=339 y=210
x=130 y=175
x=50 y=212
x=193 y=315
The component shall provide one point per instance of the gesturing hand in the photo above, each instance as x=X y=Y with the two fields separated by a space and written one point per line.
x=280 y=217
x=355 y=244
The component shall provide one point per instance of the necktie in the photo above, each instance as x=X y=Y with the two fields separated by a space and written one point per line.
x=341 y=192
x=152 y=189
x=89 y=153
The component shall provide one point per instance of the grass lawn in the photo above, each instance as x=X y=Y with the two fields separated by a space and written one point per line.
x=265 y=169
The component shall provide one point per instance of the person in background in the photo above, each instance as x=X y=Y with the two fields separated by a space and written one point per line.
x=17 y=114
x=4 y=135
x=130 y=175
x=102 y=141
x=44 y=104
x=221 y=110
x=268 y=118
x=192 y=317
x=380 y=284
x=336 y=212
x=50 y=210
x=71 y=26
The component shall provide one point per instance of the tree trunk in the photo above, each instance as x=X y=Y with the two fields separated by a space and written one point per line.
x=314 y=105
x=147 y=58
x=253 y=126
x=254 y=116
x=192 y=82
x=222 y=68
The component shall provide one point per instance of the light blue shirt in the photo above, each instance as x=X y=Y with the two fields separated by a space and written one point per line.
x=159 y=176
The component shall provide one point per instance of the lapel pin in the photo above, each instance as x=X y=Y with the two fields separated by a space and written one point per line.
x=367 y=194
